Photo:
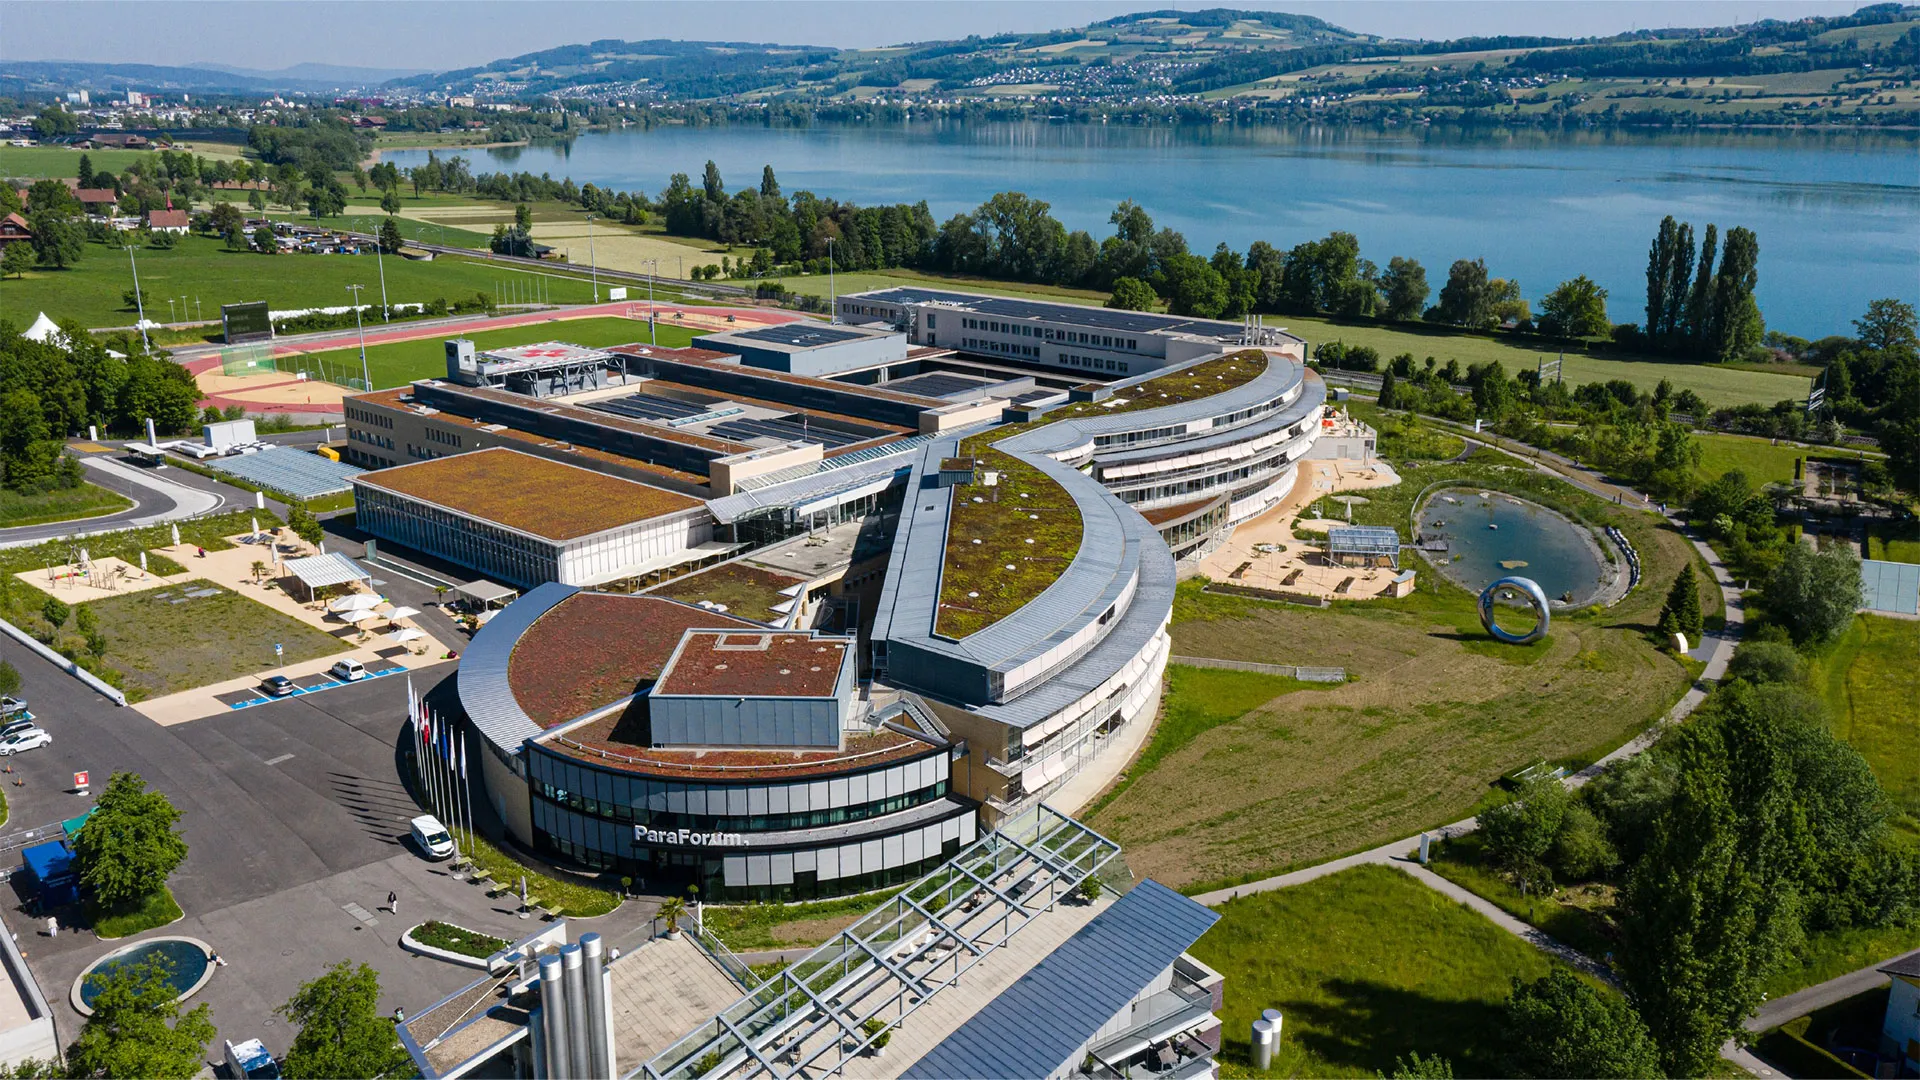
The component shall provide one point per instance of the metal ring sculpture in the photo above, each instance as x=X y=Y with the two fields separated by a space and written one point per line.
x=1529 y=590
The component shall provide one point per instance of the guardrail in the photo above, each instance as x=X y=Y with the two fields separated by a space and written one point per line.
x=1285 y=671
x=98 y=685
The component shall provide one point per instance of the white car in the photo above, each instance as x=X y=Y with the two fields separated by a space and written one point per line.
x=24 y=740
x=348 y=671
x=432 y=837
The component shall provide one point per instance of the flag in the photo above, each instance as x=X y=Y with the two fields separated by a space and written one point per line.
x=463 y=761
x=413 y=720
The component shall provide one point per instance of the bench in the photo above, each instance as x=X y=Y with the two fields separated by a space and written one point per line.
x=497 y=889
x=549 y=913
x=482 y=874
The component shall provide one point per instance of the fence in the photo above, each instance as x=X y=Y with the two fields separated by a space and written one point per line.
x=254 y=359
x=1285 y=671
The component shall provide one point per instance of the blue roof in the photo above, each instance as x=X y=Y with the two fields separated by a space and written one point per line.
x=48 y=860
x=1056 y=1008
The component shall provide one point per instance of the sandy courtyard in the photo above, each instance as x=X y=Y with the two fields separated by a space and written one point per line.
x=1264 y=554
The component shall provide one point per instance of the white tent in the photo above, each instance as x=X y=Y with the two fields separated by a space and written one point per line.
x=355 y=602
x=43 y=329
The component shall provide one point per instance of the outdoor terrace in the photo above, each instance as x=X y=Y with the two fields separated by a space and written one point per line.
x=530 y=494
x=619 y=741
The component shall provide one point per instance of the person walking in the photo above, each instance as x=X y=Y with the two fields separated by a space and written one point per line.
x=393 y=902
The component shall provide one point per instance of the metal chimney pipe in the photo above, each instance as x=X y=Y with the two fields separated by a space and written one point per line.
x=599 y=1039
x=553 y=1020
x=152 y=439
x=1262 y=1045
x=577 y=1046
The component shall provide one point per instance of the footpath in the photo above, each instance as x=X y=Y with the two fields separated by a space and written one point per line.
x=1402 y=854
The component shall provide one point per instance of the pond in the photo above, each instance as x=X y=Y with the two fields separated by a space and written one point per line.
x=1491 y=534
x=191 y=963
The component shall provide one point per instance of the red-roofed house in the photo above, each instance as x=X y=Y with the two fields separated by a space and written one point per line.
x=97 y=200
x=173 y=221
x=13 y=229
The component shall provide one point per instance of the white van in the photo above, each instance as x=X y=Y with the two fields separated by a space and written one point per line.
x=432 y=837
x=348 y=671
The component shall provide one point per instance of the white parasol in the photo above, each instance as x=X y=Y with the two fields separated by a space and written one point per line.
x=403 y=613
x=404 y=635
x=358 y=615
x=355 y=602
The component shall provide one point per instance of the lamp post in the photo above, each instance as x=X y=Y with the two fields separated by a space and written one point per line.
x=653 y=332
x=138 y=304
x=380 y=259
x=366 y=378
x=592 y=264
x=833 y=305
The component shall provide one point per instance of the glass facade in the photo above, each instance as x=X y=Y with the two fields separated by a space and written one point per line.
x=587 y=815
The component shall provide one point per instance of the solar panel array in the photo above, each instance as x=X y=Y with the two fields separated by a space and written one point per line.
x=800 y=334
x=649 y=407
x=784 y=430
x=288 y=471
x=938 y=384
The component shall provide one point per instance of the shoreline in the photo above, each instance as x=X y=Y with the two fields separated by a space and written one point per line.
x=373 y=155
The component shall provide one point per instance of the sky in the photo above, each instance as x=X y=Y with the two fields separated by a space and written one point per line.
x=443 y=34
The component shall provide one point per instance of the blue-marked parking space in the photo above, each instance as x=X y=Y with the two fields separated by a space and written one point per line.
x=305 y=684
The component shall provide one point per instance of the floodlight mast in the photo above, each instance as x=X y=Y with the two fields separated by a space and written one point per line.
x=593 y=264
x=139 y=305
x=366 y=378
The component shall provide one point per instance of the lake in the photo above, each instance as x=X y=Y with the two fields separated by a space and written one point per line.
x=1838 y=217
x=1490 y=538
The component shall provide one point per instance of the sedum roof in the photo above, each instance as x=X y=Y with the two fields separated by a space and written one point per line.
x=548 y=499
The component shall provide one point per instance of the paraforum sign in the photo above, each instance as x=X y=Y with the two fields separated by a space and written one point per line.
x=688 y=837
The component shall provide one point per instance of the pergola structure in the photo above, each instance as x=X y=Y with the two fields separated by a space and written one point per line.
x=320 y=571
x=1363 y=545
x=811 y=1018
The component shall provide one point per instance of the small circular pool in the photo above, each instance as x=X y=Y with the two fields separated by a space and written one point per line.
x=1490 y=534
x=189 y=964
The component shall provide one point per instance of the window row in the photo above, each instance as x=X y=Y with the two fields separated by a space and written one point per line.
x=1047 y=333
x=801 y=819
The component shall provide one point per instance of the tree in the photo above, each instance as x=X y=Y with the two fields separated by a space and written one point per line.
x=59 y=238
x=1132 y=294
x=1404 y=289
x=1388 y=397
x=1736 y=326
x=1415 y=1067
x=1888 y=326
x=1560 y=1026
x=263 y=240
x=342 y=1032
x=1576 y=309
x=327 y=198
x=55 y=611
x=137 y=1029
x=1763 y=662
x=1707 y=910
x=1192 y=287
x=1814 y=594
x=1681 y=614
x=710 y=184
x=390 y=238
x=1520 y=831
x=305 y=525
x=1467 y=298
x=523 y=217
x=1696 y=329
x=129 y=846
x=769 y=187
x=85 y=175
x=390 y=202
x=9 y=679
x=16 y=260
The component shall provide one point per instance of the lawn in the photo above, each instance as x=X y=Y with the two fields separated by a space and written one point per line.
x=1893 y=543
x=203 y=271
x=163 y=640
x=457 y=939
x=764 y=927
x=1365 y=966
x=61 y=504
x=1872 y=685
x=1405 y=436
x=575 y=900
x=156 y=909
x=59 y=162
x=1763 y=461
x=401 y=362
x=1437 y=711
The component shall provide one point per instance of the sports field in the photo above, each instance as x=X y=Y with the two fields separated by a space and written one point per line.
x=1436 y=711
x=60 y=162
x=402 y=362
x=203 y=272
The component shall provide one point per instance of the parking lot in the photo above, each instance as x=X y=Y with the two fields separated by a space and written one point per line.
x=293 y=811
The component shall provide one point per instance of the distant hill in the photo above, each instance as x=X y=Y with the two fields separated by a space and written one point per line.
x=68 y=75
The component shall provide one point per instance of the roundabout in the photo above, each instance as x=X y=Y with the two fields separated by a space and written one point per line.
x=1527 y=590
x=190 y=963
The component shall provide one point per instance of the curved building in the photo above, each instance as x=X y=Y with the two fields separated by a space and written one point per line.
x=674 y=745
